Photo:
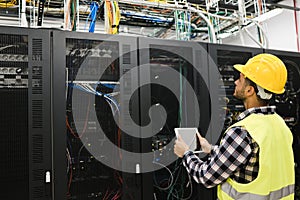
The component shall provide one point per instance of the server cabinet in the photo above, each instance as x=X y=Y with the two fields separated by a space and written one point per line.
x=222 y=76
x=173 y=93
x=25 y=88
x=288 y=103
x=97 y=78
x=224 y=108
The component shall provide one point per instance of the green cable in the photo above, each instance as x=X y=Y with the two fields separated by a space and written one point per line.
x=174 y=183
x=180 y=95
x=73 y=15
x=176 y=23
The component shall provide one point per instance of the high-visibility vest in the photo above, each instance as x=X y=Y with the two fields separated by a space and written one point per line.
x=276 y=175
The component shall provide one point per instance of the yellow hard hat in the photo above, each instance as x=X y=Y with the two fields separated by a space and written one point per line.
x=267 y=71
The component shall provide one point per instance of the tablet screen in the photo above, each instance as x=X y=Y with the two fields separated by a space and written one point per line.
x=188 y=135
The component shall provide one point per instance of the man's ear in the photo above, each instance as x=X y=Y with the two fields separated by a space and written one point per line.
x=249 y=90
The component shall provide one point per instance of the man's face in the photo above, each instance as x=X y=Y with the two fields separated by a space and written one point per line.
x=240 y=86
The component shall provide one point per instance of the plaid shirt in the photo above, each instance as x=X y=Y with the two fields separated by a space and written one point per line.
x=236 y=157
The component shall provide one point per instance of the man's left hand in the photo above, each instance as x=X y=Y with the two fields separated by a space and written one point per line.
x=180 y=147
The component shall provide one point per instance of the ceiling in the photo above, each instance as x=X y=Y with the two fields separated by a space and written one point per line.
x=156 y=18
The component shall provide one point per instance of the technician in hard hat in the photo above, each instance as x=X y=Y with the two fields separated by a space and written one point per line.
x=254 y=160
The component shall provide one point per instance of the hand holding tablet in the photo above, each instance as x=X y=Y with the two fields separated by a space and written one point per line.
x=189 y=137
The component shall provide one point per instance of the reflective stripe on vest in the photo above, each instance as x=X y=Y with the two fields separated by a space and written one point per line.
x=275 y=195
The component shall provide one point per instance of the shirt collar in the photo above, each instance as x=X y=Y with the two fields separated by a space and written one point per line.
x=266 y=110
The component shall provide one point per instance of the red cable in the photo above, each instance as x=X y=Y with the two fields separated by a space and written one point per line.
x=105 y=195
x=260 y=7
x=70 y=180
x=85 y=123
x=296 y=23
x=119 y=143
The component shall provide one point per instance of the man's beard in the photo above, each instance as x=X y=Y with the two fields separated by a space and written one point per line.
x=239 y=95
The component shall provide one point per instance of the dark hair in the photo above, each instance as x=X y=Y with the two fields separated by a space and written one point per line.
x=265 y=102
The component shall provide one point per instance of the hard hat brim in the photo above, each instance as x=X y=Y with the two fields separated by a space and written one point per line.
x=239 y=67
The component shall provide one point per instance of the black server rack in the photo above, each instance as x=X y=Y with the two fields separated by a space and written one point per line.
x=98 y=82
x=288 y=104
x=225 y=108
x=173 y=93
x=25 y=91
x=223 y=57
x=92 y=116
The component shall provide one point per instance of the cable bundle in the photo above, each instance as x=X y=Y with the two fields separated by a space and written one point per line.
x=112 y=17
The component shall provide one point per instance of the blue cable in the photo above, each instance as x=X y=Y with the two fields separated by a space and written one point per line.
x=107 y=96
x=111 y=86
x=94 y=8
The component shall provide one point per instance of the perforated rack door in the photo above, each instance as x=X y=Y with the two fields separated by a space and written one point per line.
x=81 y=60
x=222 y=76
x=26 y=116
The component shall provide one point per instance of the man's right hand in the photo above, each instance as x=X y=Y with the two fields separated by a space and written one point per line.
x=205 y=146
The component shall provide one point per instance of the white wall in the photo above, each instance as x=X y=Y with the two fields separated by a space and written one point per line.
x=280 y=31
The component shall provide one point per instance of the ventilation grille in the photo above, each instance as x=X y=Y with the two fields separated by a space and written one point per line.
x=126 y=95
x=37 y=49
x=37 y=113
x=126 y=54
x=38 y=192
x=38 y=175
x=37 y=150
x=37 y=77
x=14 y=164
x=127 y=82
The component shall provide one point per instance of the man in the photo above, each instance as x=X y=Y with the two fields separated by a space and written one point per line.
x=254 y=160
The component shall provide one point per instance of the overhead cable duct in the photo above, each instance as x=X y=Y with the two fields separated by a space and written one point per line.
x=172 y=6
x=154 y=4
x=176 y=6
x=221 y=16
x=209 y=24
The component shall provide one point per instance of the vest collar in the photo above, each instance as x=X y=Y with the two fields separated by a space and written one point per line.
x=266 y=110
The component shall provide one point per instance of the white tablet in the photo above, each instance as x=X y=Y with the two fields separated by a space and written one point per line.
x=189 y=135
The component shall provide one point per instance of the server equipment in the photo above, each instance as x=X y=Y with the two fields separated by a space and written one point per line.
x=92 y=116
x=222 y=76
x=173 y=93
x=97 y=75
x=26 y=117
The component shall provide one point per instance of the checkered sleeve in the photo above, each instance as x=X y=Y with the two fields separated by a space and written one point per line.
x=232 y=154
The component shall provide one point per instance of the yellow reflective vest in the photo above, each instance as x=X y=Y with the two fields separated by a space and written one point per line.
x=276 y=175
